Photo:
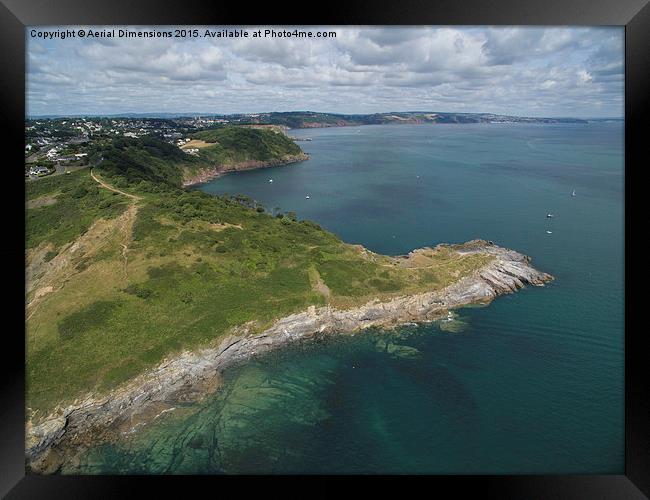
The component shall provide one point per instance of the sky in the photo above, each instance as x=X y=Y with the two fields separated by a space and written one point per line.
x=523 y=71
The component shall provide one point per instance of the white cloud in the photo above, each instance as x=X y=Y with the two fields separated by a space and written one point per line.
x=511 y=70
x=584 y=77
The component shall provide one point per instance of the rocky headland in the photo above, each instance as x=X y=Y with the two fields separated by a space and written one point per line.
x=56 y=439
x=206 y=175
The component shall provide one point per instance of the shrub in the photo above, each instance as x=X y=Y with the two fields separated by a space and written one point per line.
x=79 y=192
x=88 y=318
x=138 y=291
x=50 y=255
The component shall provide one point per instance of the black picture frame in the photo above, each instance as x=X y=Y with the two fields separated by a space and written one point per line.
x=16 y=14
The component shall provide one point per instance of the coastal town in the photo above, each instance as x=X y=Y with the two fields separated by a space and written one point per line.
x=60 y=145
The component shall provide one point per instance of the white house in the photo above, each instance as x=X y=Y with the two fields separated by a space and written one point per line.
x=38 y=171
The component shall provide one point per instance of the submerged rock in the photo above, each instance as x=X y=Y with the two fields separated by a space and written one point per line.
x=402 y=351
x=396 y=350
x=453 y=326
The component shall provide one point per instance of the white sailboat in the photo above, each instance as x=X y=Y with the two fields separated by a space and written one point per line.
x=573 y=193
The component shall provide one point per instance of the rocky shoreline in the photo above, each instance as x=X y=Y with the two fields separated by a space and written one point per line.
x=189 y=376
x=207 y=175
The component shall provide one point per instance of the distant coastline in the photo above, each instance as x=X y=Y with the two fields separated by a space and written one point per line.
x=361 y=117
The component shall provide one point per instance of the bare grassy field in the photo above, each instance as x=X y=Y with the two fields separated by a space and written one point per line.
x=196 y=143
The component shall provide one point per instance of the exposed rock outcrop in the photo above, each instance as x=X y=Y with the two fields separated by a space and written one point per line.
x=192 y=374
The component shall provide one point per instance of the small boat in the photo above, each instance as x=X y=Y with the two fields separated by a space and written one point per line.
x=549 y=216
x=549 y=232
x=270 y=180
x=573 y=193
x=306 y=197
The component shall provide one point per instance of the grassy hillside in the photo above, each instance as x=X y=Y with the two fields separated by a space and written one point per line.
x=250 y=143
x=230 y=145
x=135 y=279
x=61 y=208
x=145 y=161
x=149 y=164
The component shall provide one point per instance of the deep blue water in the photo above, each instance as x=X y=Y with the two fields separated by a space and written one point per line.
x=533 y=383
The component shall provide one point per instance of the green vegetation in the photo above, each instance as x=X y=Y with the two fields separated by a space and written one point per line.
x=76 y=203
x=240 y=144
x=146 y=164
x=149 y=165
x=179 y=268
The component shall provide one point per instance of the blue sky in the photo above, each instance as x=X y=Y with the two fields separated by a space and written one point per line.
x=526 y=71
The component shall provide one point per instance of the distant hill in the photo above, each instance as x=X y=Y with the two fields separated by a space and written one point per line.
x=308 y=119
x=150 y=160
x=303 y=119
x=129 y=161
x=228 y=148
x=242 y=143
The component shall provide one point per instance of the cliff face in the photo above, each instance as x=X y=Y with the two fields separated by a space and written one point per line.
x=208 y=174
x=193 y=374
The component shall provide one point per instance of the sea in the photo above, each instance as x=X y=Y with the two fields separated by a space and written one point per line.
x=531 y=384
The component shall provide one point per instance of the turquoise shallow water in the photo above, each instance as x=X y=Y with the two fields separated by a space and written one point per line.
x=532 y=383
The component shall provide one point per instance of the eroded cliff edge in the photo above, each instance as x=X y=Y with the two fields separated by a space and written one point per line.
x=207 y=174
x=191 y=375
